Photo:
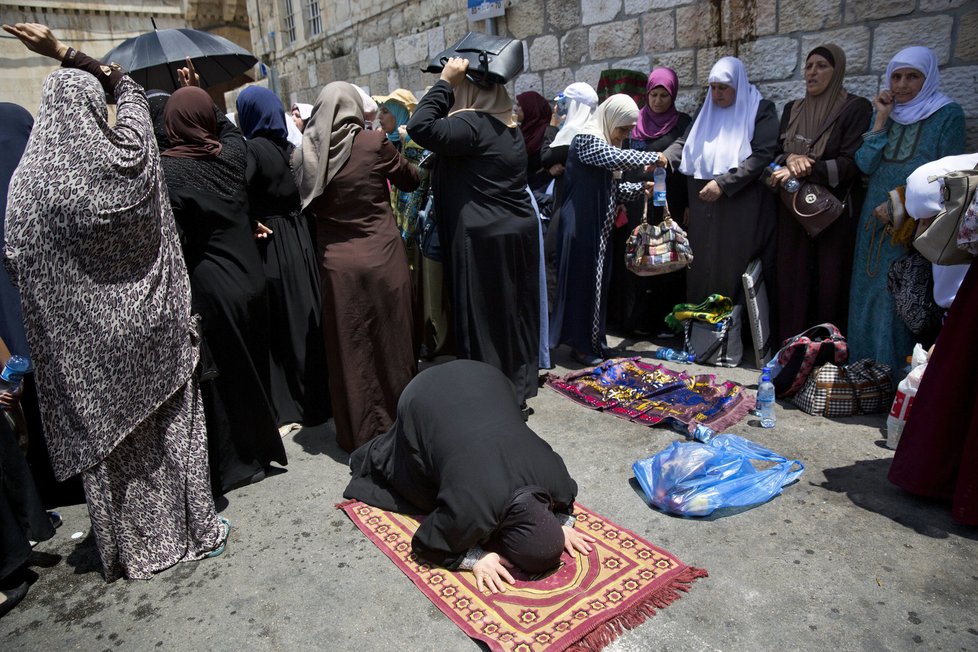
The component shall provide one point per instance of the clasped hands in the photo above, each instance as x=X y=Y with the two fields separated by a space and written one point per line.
x=492 y=571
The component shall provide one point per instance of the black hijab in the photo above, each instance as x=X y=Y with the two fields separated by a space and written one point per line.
x=15 y=129
x=157 y=103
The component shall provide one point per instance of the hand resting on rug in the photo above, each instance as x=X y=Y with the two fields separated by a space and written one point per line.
x=576 y=541
x=491 y=572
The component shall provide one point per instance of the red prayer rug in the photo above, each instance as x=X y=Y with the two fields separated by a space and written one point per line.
x=583 y=605
x=650 y=393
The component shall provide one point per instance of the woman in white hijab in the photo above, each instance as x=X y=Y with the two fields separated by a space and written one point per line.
x=580 y=101
x=594 y=190
x=914 y=123
x=732 y=217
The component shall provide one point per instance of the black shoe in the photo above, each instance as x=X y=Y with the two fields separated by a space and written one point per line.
x=586 y=359
x=527 y=411
x=12 y=598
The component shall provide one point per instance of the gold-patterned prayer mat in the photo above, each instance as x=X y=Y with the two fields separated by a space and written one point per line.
x=583 y=605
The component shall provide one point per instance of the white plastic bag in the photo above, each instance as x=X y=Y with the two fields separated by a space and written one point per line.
x=903 y=401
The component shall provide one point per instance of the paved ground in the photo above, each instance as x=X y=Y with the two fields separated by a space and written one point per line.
x=843 y=560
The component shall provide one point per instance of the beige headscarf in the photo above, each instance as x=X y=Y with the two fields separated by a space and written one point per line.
x=808 y=114
x=493 y=100
x=619 y=110
x=337 y=116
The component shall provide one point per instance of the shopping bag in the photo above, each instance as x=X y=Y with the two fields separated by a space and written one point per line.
x=695 y=479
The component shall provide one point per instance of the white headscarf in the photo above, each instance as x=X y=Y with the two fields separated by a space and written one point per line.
x=581 y=101
x=305 y=110
x=929 y=99
x=720 y=138
x=619 y=110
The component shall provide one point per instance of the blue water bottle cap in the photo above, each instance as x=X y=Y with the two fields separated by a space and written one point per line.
x=691 y=357
x=15 y=368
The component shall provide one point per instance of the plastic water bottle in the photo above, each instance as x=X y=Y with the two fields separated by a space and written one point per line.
x=760 y=379
x=13 y=373
x=673 y=355
x=765 y=401
x=703 y=433
x=791 y=184
x=659 y=187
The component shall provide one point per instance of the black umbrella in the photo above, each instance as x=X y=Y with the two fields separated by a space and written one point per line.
x=152 y=59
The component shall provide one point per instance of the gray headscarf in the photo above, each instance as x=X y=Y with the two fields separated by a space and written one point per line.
x=337 y=116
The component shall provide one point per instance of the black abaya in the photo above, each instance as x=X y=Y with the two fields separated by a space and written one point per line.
x=458 y=452
x=210 y=204
x=490 y=233
x=297 y=374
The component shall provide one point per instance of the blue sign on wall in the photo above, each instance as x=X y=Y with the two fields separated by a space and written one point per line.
x=483 y=9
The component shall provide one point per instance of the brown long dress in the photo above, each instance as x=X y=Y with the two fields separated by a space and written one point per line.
x=366 y=289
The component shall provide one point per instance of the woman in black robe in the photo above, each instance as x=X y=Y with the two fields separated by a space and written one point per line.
x=487 y=224
x=298 y=363
x=205 y=175
x=461 y=453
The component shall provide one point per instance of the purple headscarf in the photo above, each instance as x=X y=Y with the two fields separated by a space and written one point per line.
x=653 y=125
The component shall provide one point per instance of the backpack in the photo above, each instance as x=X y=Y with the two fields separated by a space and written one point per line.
x=800 y=354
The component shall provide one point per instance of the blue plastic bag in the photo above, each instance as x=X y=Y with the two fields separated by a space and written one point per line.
x=694 y=479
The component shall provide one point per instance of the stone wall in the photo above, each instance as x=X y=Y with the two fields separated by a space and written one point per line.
x=381 y=44
x=96 y=27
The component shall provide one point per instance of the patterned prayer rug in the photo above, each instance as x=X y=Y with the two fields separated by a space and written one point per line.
x=583 y=605
x=650 y=393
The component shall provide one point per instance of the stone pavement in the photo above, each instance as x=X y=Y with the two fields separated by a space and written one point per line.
x=842 y=560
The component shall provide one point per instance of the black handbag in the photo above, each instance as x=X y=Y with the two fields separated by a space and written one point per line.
x=492 y=59
x=910 y=281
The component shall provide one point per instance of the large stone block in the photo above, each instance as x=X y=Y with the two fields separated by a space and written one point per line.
x=528 y=81
x=574 y=47
x=633 y=7
x=525 y=18
x=697 y=25
x=705 y=58
x=891 y=37
x=942 y=5
x=436 y=40
x=854 y=41
x=409 y=77
x=599 y=11
x=967 y=49
x=563 y=15
x=311 y=77
x=659 y=31
x=544 y=53
x=378 y=83
x=961 y=85
x=386 y=50
x=412 y=48
x=781 y=93
x=614 y=39
x=665 y=4
x=867 y=86
x=857 y=12
x=369 y=60
x=810 y=15
x=590 y=74
x=766 y=17
x=455 y=30
x=555 y=81
x=690 y=100
x=326 y=72
x=682 y=61
x=639 y=63
x=773 y=57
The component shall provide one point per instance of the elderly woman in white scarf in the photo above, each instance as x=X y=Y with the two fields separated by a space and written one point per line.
x=914 y=123
x=732 y=217
x=594 y=190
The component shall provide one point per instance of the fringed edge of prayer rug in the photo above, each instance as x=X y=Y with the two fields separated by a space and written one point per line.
x=608 y=626
x=633 y=615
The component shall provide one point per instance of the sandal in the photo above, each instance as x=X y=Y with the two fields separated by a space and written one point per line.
x=224 y=542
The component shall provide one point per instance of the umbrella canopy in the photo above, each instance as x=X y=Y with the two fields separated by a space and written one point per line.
x=152 y=59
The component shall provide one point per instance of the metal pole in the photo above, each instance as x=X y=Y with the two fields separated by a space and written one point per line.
x=490 y=26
